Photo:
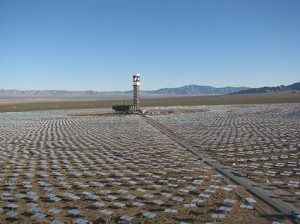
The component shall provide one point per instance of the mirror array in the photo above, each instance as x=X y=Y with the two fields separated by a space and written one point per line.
x=260 y=142
x=56 y=168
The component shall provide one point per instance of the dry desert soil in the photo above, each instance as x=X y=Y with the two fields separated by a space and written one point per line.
x=15 y=105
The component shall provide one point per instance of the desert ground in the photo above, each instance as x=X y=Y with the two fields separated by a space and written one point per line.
x=61 y=168
x=261 y=142
x=29 y=104
x=61 y=164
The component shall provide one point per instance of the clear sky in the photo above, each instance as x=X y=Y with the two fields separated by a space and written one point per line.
x=98 y=44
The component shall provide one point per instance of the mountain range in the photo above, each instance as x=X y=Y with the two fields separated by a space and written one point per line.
x=188 y=90
x=290 y=88
x=198 y=90
x=184 y=90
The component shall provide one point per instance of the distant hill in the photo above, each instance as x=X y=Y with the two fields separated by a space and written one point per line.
x=14 y=92
x=90 y=94
x=290 y=88
x=188 y=90
x=59 y=94
x=198 y=90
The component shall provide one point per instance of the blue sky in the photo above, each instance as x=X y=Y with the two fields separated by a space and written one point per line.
x=98 y=44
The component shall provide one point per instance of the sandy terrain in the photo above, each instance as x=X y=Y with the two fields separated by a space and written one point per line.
x=261 y=142
x=61 y=168
x=8 y=105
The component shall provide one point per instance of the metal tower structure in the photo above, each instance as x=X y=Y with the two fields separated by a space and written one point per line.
x=136 y=92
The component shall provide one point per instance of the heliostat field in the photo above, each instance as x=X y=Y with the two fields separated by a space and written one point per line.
x=57 y=168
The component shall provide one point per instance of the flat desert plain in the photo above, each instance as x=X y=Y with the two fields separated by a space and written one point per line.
x=61 y=168
x=34 y=104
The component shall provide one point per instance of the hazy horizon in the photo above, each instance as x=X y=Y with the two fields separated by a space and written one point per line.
x=75 y=90
x=129 y=88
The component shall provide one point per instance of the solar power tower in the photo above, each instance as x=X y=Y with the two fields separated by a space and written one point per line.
x=136 y=92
